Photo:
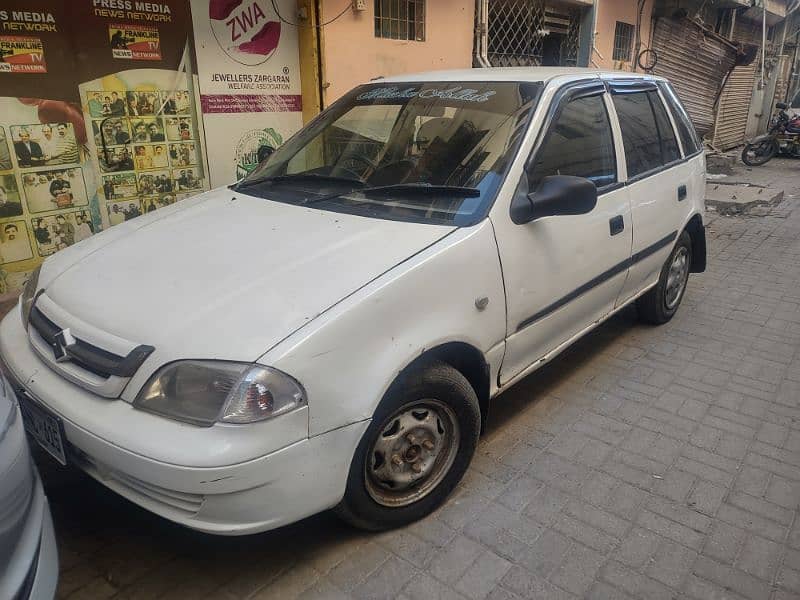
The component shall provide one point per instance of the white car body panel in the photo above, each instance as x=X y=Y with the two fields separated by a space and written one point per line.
x=443 y=301
x=658 y=213
x=342 y=303
x=546 y=260
x=28 y=555
x=243 y=264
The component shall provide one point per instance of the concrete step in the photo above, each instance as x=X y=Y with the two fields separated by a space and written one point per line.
x=737 y=198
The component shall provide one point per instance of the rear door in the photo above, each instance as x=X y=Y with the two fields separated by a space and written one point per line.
x=658 y=179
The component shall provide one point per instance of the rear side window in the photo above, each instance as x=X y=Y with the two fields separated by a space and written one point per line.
x=639 y=132
x=669 y=143
x=579 y=143
x=686 y=131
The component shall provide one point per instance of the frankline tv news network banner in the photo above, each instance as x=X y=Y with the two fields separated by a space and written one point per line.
x=99 y=121
x=249 y=78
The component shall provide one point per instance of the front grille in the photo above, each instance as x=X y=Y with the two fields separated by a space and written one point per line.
x=87 y=356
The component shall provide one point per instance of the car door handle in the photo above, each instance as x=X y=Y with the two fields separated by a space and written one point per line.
x=681 y=192
x=616 y=224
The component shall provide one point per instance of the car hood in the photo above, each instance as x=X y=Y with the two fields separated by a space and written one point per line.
x=225 y=275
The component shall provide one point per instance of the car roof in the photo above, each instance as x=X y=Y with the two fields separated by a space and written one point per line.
x=543 y=74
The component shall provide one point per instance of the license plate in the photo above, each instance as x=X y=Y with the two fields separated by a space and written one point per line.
x=45 y=428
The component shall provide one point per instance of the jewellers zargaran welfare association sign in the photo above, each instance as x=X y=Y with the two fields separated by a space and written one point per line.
x=249 y=77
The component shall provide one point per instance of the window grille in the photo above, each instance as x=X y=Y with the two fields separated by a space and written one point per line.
x=623 y=41
x=400 y=19
x=532 y=32
x=515 y=32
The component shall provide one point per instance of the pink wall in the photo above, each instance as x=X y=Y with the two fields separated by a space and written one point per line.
x=351 y=53
x=608 y=13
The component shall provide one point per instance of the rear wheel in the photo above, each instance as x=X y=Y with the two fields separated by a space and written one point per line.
x=661 y=303
x=415 y=451
x=760 y=153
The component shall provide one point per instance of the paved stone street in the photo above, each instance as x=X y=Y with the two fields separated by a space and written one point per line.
x=643 y=463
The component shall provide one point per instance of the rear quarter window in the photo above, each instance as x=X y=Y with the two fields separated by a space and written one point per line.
x=689 y=138
x=669 y=143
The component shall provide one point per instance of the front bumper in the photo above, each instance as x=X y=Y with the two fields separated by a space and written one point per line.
x=229 y=487
x=297 y=481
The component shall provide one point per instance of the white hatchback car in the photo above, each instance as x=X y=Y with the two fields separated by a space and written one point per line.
x=329 y=331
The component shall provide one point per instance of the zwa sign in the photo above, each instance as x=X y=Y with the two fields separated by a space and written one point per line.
x=247 y=30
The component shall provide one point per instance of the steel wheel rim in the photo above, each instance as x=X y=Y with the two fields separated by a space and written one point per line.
x=412 y=452
x=676 y=277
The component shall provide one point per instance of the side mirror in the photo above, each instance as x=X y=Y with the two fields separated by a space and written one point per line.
x=556 y=195
x=264 y=152
x=781 y=106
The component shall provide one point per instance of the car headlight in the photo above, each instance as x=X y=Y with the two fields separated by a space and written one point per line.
x=203 y=392
x=28 y=297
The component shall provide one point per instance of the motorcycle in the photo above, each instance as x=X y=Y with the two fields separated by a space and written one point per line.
x=783 y=138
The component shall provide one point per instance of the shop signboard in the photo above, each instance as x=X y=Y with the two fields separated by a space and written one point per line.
x=110 y=109
x=46 y=196
x=138 y=96
x=249 y=78
x=99 y=121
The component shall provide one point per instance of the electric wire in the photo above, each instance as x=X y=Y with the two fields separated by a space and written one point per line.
x=320 y=26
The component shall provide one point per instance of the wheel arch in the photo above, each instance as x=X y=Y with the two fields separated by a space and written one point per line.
x=467 y=360
x=697 y=233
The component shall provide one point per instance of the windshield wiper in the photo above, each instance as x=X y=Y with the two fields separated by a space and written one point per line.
x=300 y=177
x=421 y=189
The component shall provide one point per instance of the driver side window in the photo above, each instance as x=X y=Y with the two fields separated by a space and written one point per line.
x=579 y=143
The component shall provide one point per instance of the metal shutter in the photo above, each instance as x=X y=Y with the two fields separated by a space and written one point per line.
x=696 y=63
x=734 y=107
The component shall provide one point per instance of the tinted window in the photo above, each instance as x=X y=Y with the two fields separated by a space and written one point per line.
x=579 y=143
x=685 y=128
x=669 y=143
x=639 y=132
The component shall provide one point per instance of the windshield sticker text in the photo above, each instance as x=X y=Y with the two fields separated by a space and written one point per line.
x=454 y=93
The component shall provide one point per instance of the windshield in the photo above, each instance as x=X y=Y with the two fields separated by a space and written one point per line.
x=427 y=152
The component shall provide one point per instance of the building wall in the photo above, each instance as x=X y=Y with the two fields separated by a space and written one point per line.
x=608 y=13
x=351 y=53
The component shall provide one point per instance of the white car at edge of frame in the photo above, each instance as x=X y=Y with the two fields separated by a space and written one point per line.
x=329 y=331
x=28 y=553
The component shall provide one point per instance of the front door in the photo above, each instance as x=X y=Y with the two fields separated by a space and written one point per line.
x=563 y=273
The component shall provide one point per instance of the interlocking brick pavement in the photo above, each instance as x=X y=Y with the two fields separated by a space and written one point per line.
x=643 y=463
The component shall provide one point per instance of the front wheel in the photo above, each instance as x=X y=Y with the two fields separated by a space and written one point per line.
x=661 y=303
x=416 y=450
x=759 y=153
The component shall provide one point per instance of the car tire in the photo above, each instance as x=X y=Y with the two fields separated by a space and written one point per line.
x=661 y=303
x=430 y=418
